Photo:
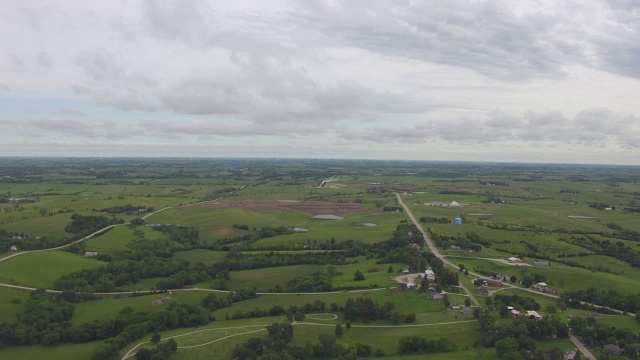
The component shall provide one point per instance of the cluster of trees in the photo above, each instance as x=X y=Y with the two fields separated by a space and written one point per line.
x=185 y=235
x=420 y=345
x=163 y=351
x=82 y=225
x=595 y=334
x=47 y=320
x=236 y=261
x=120 y=272
x=435 y=220
x=471 y=241
x=609 y=298
x=516 y=339
x=277 y=346
x=527 y=303
x=212 y=302
x=29 y=243
x=125 y=209
x=598 y=205
x=366 y=310
x=316 y=282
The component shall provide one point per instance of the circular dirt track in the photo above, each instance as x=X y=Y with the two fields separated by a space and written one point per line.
x=322 y=316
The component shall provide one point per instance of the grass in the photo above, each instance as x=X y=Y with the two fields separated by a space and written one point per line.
x=379 y=278
x=41 y=269
x=268 y=278
x=39 y=352
x=386 y=338
x=119 y=237
x=206 y=257
x=105 y=308
x=12 y=303
x=561 y=276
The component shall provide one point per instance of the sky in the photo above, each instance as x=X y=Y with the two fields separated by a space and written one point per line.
x=518 y=81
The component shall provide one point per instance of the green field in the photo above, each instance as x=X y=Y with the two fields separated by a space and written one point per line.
x=41 y=269
x=522 y=210
x=266 y=279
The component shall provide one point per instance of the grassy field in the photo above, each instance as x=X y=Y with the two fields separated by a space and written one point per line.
x=266 y=279
x=527 y=209
x=41 y=269
x=12 y=303
x=206 y=257
x=117 y=239
x=39 y=352
x=103 y=309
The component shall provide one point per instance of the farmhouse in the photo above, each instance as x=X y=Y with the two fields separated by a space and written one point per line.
x=13 y=248
x=454 y=305
x=482 y=290
x=541 y=286
x=514 y=260
x=492 y=283
x=431 y=276
x=466 y=310
x=434 y=295
x=455 y=247
x=514 y=313
x=533 y=315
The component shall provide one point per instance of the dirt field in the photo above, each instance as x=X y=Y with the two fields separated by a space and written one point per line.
x=315 y=208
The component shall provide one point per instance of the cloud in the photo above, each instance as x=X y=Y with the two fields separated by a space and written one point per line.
x=70 y=111
x=486 y=36
x=588 y=128
x=47 y=127
x=43 y=60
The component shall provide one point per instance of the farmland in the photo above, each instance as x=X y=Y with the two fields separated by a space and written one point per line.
x=236 y=244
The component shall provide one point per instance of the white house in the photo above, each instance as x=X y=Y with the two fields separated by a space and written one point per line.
x=431 y=276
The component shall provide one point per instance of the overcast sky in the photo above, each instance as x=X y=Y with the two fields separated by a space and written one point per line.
x=531 y=81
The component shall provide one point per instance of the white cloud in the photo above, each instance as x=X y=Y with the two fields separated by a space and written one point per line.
x=359 y=76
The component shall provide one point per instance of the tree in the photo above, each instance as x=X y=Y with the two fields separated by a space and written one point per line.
x=506 y=345
x=298 y=316
x=476 y=312
x=445 y=300
x=489 y=302
x=338 y=331
x=410 y=318
x=358 y=276
x=43 y=211
x=348 y=325
x=390 y=270
x=156 y=337
x=467 y=302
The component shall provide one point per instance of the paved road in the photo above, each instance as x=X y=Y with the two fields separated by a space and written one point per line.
x=447 y=262
x=581 y=347
x=434 y=249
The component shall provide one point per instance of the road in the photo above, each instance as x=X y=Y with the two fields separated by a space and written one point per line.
x=447 y=262
x=434 y=249
x=583 y=349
